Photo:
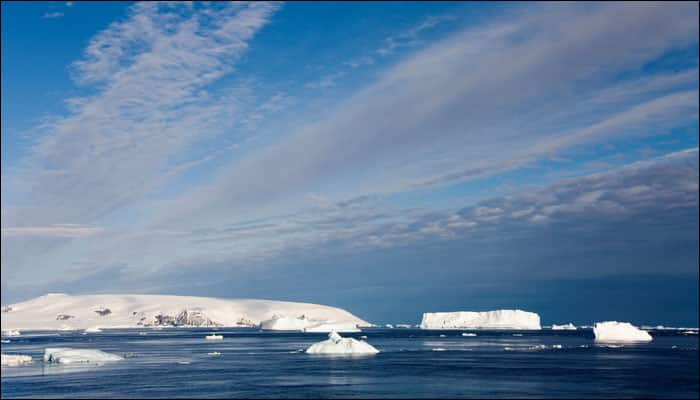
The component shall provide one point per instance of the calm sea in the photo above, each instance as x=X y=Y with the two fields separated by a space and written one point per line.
x=412 y=363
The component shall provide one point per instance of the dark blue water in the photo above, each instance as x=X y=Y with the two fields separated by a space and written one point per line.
x=174 y=363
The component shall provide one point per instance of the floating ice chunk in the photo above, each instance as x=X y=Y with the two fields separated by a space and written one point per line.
x=214 y=337
x=556 y=346
x=439 y=349
x=565 y=327
x=14 y=360
x=499 y=319
x=517 y=334
x=65 y=355
x=345 y=327
x=613 y=331
x=94 y=329
x=214 y=353
x=11 y=332
x=404 y=326
x=443 y=335
x=184 y=362
x=340 y=345
x=390 y=326
x=363 y=337
x=690 y=332
x=468 y=334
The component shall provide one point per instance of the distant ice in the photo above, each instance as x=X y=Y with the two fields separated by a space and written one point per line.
x=344 y=327
x=390 y=326
x=468 y=334
x=14 y=360
x=613 y=331
x=404 y=326
x=335 y=344
x=11 y=332
x=498 y=319
x=565 y=327
x=94 y=329
x=214 y=353
x=439 y=349
x=65 y=355
x=214 y=337
x=443 y=335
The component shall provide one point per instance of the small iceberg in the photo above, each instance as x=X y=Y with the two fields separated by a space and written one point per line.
x=11 y=332
x=565 y=327
x=65 y=355
x=468 y=334
x=214 y=336
x=613 y=331
x=214 y=353
x=94 y=329
x=439 y=349
x=443 y=335
x=14 y=360
x=337 y=344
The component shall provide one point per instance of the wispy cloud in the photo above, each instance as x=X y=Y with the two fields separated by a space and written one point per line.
x=58 y=230
x=52 y=15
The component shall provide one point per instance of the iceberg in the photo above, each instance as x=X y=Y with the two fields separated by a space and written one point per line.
x=340 y=345
x=565 y=327
x=66 y=355
x=333 y=327
x=107 y=311
x=613 y=331
x=390 y=326
x=404 y=326
x=94 y=329
x=499 y=319
x=214 y=337
x=14 y=360
x=468 y=334
x=11 y=332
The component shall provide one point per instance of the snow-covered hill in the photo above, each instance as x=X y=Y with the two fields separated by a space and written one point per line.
x=498 y=319
x=61 y=311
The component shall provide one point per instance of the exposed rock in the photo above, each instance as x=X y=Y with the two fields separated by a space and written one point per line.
x=103 y=311
x=63 y=317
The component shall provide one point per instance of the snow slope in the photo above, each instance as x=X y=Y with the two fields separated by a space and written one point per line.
x=340 y=345
x=613 y=331
x=499 y=319
x=61 y=311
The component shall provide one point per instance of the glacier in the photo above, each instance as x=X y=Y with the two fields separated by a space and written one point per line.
x=66 y=355
x=613 y=331
x=336 y=344
x=305 y=324
x=161 y=311
x=498 y=319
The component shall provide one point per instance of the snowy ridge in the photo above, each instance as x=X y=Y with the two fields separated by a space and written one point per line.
x=499 y=319
x=131 y=311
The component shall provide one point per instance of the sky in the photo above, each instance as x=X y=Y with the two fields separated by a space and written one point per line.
x=387 y=158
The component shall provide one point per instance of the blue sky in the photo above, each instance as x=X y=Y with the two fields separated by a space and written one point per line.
x=388 y=158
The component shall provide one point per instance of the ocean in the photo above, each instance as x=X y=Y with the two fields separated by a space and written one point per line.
x=175 y=363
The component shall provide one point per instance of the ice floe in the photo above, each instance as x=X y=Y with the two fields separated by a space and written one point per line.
x=565 y=327
x=214 y=337
x=14 y=360
x=66 y=355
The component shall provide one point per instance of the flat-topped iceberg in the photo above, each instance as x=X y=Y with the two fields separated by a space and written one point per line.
x=214 y=336
x=14 y=360
x=162 y=311
x=613 y=331
x=337 y=344
x=66 y=355
x=565 y=327
x=498 y=319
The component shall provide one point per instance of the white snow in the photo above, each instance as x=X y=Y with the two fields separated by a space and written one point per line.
x=65 y=355
x=468 y=334
x=13 y=360
x=156 y=311
x=11 y=332
x=340 y=345
x=498 y=319
x=390 y=326
x=214 y=337
x=613 y=331
x=565 y=327
x=305 y=324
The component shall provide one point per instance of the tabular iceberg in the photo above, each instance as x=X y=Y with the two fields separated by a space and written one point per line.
x=13 y=360
x=340 y=345
x=499 y=319
x=613 y=331
x=565 y=327
x=66 y=355
x=214 y=336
